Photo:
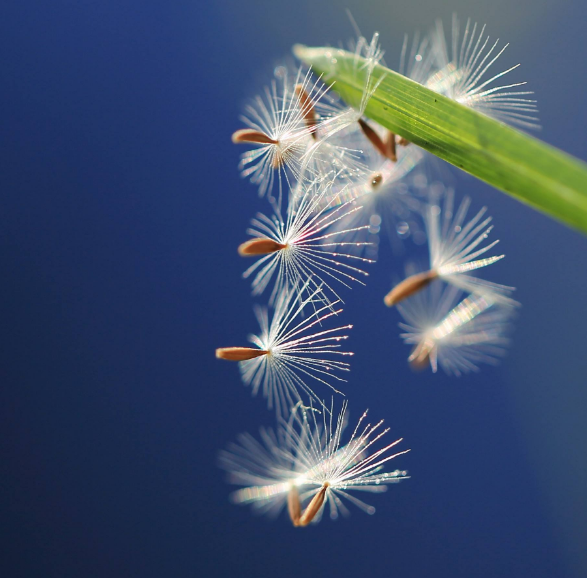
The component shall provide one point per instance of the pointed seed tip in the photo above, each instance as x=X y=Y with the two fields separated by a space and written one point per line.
x=388 y=300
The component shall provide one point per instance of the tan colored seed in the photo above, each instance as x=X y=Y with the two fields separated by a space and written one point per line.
x=409 y=286
x=293 y=506
x=373 y=137
x=385 y=149
x=251 y=135
x=246 y=135
x=390 y=147
x=313 y=507
x=404 y=142
x=307 y=108
x=239 y=353
x=262 y=246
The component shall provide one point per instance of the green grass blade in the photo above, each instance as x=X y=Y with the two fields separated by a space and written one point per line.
x=526 y=168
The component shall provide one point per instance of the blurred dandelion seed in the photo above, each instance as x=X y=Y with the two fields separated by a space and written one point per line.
x=454 y=251
x=455 y=334
x=382 y=190
x=461 y=76
x=305 y=466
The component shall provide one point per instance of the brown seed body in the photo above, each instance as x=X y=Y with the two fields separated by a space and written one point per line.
x=239 y=353
x=307 y=109
x=251 y=135
x=313 y=507
x=409 y=286
x=390 y=147
x=385 y=149
x=293 y=506
x=254 y=247
x=373 y=137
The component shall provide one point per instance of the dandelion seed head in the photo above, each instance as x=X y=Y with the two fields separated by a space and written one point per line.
x=454 y=332
x=306 y=454
x=298 y=351
x=282 y=124
x=307 y=246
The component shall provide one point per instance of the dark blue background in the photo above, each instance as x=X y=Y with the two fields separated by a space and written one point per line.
x=120 y=211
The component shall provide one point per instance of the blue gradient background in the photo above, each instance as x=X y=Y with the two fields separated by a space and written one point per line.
x=120 y=211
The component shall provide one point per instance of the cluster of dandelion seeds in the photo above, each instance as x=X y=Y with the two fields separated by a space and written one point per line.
x=330 y=177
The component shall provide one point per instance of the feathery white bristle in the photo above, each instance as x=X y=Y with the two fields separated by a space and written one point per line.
x=456 y=247
x=296 y=351
x=465 y=75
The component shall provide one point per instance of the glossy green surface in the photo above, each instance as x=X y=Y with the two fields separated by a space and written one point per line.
x=521 y=165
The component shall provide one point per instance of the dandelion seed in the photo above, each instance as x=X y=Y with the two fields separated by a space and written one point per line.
x=454 y=251
x=302 y=246
x=455 y=335
x=461 y=76
x=278 y=122
x=356 y=466
x=334 y=130
x=286 y=352
x=268 y=469
x=304 y=465
x=292 y=126
x=383 y=193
